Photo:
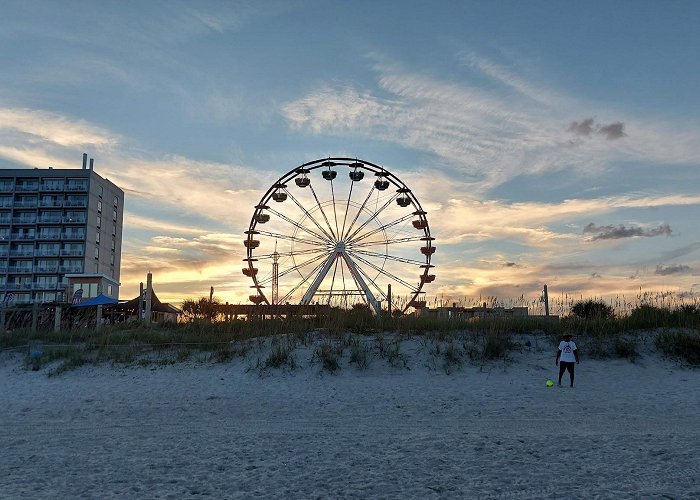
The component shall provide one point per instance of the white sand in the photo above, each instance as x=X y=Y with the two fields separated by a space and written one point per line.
x=203 y=429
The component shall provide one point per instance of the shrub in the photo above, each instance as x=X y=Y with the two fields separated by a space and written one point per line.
x=683 y=345
x=358 y=353
x=625 y=348
x=279 y=356
x=592 y=309
x=647 y=316
x=329 y=356
x=496 y=346
x=452 y=357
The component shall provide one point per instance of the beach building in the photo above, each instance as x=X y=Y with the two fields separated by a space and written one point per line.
x=60 y=233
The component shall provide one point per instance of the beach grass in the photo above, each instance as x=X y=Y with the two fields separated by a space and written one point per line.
x=454 y=339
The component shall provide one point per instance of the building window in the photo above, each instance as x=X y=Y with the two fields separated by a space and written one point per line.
x=111 y=259
x=116 y=201
x=100 y=191
x=114 y=244
x=97 y=253
x=98 y=222
x=99 y=206
x=114 y=230
x=110 y=290
x=114 y=215
x=97 y=237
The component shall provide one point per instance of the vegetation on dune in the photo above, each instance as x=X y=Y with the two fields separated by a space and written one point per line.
x=356 y=337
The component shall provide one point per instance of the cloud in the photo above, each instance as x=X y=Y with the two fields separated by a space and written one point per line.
x=584 y=127
x=674 y=269
x=50 y=127
x=617 y=232
x=483 y=133
x=588 y=126
x=613 y=131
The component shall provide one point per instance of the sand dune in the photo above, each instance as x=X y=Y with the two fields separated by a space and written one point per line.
x=488 y=430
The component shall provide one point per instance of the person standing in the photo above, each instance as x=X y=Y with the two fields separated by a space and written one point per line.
x=567 y=357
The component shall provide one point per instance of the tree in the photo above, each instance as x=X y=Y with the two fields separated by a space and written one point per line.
x=200 y=309
x=592 y=309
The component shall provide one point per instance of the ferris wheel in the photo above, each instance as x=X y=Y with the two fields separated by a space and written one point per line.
x=339 y=231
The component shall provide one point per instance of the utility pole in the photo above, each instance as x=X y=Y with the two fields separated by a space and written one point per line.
x=388 y=299
x=275 y=276
x=149 y=296
x=545 y=297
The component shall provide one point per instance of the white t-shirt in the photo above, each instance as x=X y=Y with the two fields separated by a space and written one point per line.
x=567 y=351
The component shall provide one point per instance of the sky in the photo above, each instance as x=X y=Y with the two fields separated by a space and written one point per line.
x=550 y=143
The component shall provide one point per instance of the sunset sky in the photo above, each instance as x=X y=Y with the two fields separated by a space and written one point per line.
x=549 y=142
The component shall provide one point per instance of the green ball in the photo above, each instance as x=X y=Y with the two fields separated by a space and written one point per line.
x=550 y=383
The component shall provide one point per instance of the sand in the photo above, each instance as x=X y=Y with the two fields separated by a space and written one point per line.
x=222 y=430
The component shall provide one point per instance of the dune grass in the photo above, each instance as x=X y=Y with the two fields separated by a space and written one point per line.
x=610 y=335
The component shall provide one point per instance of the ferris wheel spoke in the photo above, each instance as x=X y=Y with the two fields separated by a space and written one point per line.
x=303 y=280
x=291 y=238
x=335 y=210
x=372 y=217
x=267 y=256
x=309 y=216
x=382 y=227
x=379 y=269
x=359 y=212
x=368 y=279
x=404 y=260
x=298 y=225
x=296 y=267
x=335 y=270
x=323 y=212
x=347 y=207
x=392 y=241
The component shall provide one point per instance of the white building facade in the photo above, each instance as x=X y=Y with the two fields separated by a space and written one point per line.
x=56 y=226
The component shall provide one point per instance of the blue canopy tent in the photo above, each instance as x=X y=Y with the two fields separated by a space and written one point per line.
x=100 y=300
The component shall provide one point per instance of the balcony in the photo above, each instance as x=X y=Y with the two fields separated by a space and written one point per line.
x=74 y=220
x=7 y=187
x=29 y=187
x=24 y=220
x=19 y=269
x=46 y=269
x=71 y=269
x=50 y=203
x=49 y=236
x=51 y=187
x=76 y=186
x=73 y=236
x=44 y=286
x=25 y=204
x=49 y=219
x=6 y=204
x=23 y=236
x=5 y=220
x=22 y=253
x=44 y=252
x=19 y=286
x=72 y=253
x=75 y=203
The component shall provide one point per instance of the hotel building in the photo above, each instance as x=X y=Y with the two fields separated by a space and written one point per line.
x=60 y=231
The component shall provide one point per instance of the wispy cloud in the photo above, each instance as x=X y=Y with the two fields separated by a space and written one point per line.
x=621 y=231
x=588 y=126
x=674 y=269
x=44 y=126
x=478 y=131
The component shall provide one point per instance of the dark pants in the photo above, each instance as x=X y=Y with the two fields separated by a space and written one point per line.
x=566 y=366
